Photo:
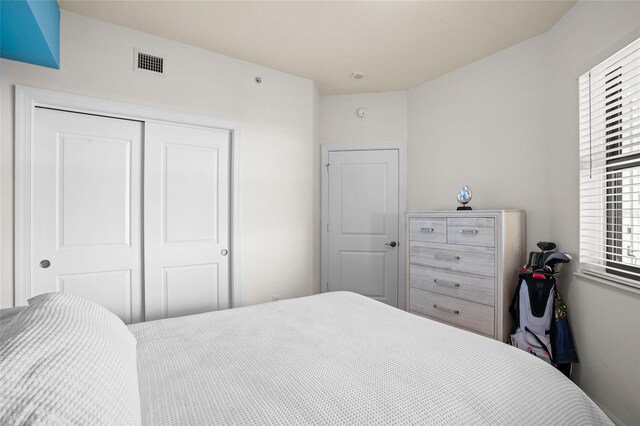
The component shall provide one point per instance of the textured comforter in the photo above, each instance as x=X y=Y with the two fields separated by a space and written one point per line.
x=341 y=358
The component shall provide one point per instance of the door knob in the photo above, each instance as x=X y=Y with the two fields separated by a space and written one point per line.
x=45 y=263
x=392 y=244
x=224 y=252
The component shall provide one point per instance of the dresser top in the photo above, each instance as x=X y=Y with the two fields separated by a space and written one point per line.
x=465 y=212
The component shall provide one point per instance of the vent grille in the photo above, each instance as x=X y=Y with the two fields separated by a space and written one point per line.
x=148 y=62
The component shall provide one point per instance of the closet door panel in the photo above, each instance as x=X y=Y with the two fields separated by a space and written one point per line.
x=186 y=215
x=190 y=191
x=86 y=226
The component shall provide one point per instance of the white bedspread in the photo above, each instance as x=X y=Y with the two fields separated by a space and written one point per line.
x=340 y=358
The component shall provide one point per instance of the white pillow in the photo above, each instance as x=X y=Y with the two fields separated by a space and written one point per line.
x=8 y=314
x=67 y=360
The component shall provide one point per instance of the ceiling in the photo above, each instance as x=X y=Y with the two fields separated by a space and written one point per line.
x=398 y=44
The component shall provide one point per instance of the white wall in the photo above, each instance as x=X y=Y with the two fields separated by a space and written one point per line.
x=606 y=322
x=279 y=244
x=484 y=126
x=386 y=119
x=316 y=192
x=507 y=125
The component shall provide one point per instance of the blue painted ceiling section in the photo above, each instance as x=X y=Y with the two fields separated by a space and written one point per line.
x=30 y=31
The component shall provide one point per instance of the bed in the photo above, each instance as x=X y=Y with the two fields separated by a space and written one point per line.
x=334 y=358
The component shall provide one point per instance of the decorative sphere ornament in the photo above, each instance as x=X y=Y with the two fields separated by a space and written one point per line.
x=463 y=197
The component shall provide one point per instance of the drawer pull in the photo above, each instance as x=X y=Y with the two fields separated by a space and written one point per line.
x=426 y=229
x=443 y=309
x=468 y=231
x=447 y=283
x=444 y=256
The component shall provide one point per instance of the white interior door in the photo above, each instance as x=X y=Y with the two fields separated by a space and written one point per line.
x=186 y=216
x=86 y=209
x=363 y=198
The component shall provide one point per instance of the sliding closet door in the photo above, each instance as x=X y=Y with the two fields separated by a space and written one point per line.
x=86 y=209
x=186 y=220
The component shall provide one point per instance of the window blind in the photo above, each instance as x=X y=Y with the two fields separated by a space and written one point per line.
x=609 y=109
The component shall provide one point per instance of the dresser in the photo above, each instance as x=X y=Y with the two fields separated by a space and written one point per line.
x=463 y=267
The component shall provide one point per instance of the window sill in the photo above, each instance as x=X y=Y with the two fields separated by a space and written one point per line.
x=617 y=283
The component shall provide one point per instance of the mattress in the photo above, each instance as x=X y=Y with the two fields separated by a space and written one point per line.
x=341 y=358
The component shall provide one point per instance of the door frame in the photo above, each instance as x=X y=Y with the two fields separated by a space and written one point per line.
x=27 y=99
x=402 y=208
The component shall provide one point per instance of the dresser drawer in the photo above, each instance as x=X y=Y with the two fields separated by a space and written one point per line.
x=469 y=315
x=432 y=229
x=474 y=260
x=475 y=288
x=473 y=231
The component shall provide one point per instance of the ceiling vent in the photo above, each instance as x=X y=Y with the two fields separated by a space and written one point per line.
x=148 y=62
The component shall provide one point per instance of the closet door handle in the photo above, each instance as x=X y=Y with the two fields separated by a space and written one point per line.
x=426 y=229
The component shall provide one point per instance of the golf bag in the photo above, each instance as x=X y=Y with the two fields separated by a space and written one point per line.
x=532 y=308
x=539 y=312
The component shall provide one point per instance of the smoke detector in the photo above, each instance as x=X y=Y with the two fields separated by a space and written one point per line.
x=358 y=75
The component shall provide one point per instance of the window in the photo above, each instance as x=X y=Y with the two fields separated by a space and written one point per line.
x=609 y=105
